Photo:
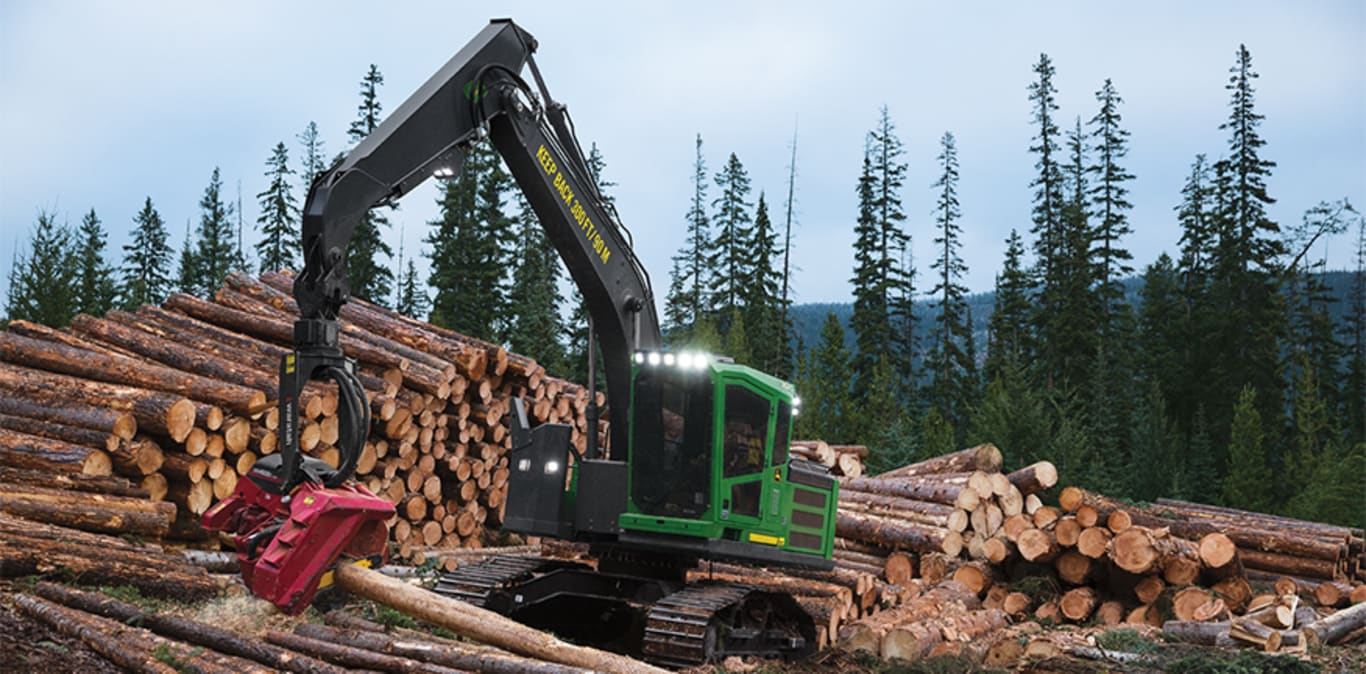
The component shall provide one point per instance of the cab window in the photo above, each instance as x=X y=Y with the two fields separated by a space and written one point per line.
x=746 y=429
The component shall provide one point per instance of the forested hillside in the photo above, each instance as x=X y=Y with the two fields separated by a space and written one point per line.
x=1231 y=370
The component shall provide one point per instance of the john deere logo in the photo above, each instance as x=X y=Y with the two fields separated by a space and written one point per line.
x=474 y=91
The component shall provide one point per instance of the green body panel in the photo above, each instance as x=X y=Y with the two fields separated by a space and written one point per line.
x=782 y=505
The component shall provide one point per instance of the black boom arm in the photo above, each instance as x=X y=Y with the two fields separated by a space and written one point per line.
x=478 y=93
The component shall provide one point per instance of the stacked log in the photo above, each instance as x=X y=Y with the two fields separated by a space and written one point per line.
x=178 y=400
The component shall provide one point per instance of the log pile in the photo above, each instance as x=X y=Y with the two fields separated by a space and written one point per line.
x=179 y=401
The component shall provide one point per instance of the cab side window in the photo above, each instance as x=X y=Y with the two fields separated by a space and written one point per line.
x=746 y=430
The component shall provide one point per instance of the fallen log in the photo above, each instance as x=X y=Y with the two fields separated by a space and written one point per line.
x=1140 y=550
x=183 y=629
x=445 y=653
x=352 y=657
x=94 y=417
x=479 y=624
x=1329 y=629
x=131 y=647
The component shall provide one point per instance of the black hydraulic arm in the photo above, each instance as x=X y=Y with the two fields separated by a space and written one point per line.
x=478 y=93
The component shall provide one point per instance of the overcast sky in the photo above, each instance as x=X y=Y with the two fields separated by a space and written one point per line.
x=106 y=103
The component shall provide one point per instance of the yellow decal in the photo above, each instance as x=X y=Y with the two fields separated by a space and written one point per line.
x=289 y=363
x=777 y=474
x=766 y=540
x=576 y=209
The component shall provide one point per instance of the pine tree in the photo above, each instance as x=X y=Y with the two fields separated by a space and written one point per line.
x=1152 y=444
x=826 y=400
x=1009 y=339
x=871 y=327
x=1248 y=329
x=1048 y=207
x=279 y=213
x=189 y=274
x=146 y=267
x=937 y=435
x=412 y=299
x=896 y=266
x=534 y=298
x=43 y=286
x=1198 y=215
x=693 y=266
x=735 y=343
x=369 y=278
x=313 y=153
x=1109 y=205
x=734 y=241
x=762 y=302
x=1013 y=413
x=952 y=371
x=1313 y=335
x=1162 y=341
x=1073 y=332
x=1248 y=477
x=95 y=287
x=215 y=251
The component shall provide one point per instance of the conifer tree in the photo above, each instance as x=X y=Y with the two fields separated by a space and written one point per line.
x=1048 y=207
x=1109 y=205
x=762 y=302
x=188 y=273
x=951 y=370
x=1152 y=444
x=1199 y=216
x=279 y=215
x=786 y=321
x=1248 y=329
x=534 y=298
x=1248 y=476
x=693 y=265
x=412 y=298
x=869 y=322
x=215 y=252
x=734 y=240
x=239 y=260
x=1013 y=413
x=1073 y=331
x=896 y=267
x=43 y=284
x=938 y=435
x=1162 y=341
x=369 y=278
x=146 y=271
x=826 y=399
x=735 y=343
x=95 y=287
x=1009 y=339
x=1313 y=335
x=312 y=162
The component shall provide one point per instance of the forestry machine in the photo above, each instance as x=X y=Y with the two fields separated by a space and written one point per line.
x=697 y=465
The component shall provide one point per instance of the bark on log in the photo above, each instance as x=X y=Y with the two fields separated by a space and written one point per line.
x=1329 y=629
x=94 y=417
x=156 y=411
x=1287 y=564
x=351 y=657
x=1035 y=478
x=98 y=513
x=124 y=371
x=479 y=624
x=120 y=644
x=184 y=629
x=444 y=653
x=897 y=534
x=28 y=548
x=95 y=484
x=932 y=491
x=1195 y=632
x=21 y=450
x=1078 y=603
x=1141 y=550
x=984 y=457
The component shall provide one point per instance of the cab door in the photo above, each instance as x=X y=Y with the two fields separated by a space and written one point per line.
x=746 y=439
